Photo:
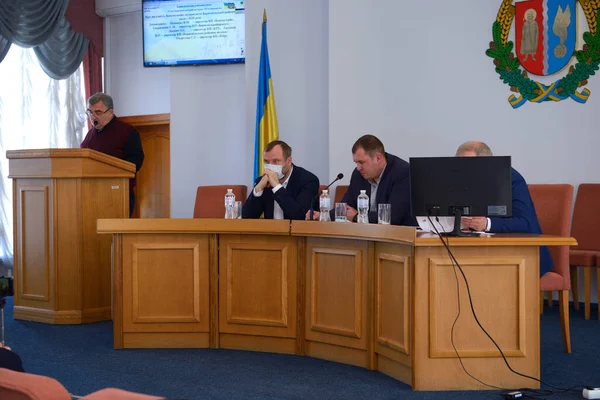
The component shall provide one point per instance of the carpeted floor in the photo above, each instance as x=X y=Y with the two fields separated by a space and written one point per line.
x=81 y=357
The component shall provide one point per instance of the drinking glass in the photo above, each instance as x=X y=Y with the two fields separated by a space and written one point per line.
x=384 y=214
x=237 y=210
x=340 y=212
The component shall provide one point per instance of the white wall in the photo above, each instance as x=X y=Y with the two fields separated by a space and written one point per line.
x=208 y=144
x=213 y=108
x=135 y=90
x=298 y=52
x=418 y=80
x=421 y=82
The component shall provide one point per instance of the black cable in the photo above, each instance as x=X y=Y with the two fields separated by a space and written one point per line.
x=454 y=261
x=458 y=314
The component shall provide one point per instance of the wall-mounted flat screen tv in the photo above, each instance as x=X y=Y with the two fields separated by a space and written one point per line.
x=193 y=32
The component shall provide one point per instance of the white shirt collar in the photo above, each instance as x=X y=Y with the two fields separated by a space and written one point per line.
x=284 y=184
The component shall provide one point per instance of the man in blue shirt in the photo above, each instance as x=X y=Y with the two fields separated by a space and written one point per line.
x=523 y=220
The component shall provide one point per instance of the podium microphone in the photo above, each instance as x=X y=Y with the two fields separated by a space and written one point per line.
x=312 y=211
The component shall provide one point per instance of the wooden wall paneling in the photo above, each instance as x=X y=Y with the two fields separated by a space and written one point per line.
x=153 y=180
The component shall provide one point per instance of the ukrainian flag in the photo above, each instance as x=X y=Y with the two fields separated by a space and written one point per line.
x=266 y=117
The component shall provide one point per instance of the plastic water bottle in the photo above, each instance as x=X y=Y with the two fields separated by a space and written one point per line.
x=229 y=204
x=363 y=207
x=324 y=206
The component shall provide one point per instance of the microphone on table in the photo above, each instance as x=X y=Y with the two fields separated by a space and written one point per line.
x=337 y=178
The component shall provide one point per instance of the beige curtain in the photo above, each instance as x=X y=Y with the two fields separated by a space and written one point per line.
x=36 y=112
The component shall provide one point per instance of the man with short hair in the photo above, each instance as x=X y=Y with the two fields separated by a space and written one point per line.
x=113 y=137
x=384 y=177
x=285 y=190
x=524 y=218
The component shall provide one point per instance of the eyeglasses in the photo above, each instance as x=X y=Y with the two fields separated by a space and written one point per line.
x=97 y=113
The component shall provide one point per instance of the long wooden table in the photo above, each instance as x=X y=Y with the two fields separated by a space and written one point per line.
x=379 y=297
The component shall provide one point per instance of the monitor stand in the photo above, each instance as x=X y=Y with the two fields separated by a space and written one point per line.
x=457 y=232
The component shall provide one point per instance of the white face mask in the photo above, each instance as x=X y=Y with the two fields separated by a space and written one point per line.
x=275 y=168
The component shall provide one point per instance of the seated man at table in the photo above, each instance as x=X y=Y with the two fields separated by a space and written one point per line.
x=285 y=190
x=523 y=220
x=386 y=179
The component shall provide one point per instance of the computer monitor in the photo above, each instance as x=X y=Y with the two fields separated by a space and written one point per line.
x=461 y=186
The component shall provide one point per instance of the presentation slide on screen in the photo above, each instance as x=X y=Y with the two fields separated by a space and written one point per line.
x=180 y=32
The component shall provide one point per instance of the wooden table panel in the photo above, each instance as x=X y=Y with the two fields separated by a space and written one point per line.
x=165 y=289
x=380 y=297
x=337 y=312
x=504 y=288
x=257 y=290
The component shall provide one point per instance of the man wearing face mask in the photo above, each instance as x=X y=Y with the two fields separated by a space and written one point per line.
x=113 y=137
x=285 y=190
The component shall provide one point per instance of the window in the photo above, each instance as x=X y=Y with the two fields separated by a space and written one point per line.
x=35 y=112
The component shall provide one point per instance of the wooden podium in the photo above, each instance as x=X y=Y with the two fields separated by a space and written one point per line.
x=62 y=266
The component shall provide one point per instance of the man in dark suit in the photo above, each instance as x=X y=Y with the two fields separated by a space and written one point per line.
x=384 y=177
x=285 y=190
x=524 y=218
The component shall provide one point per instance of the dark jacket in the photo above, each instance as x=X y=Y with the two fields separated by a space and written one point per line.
x=524 y=219
x=394 y=189
x=294 y=200
x=10 y=360
x=117 y=139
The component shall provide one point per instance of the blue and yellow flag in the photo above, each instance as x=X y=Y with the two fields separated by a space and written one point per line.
x=266 y=117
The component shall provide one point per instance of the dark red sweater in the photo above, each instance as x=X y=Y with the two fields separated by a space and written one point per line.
x=117 y=139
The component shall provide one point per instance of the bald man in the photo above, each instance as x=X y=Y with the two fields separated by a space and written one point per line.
x=524 y=218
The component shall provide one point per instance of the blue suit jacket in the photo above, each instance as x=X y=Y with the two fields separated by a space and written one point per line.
x=394 y=189
x=294 y=200
x=524 y=219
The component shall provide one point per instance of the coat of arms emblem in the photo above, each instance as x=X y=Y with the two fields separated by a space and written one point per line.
x=546 y=39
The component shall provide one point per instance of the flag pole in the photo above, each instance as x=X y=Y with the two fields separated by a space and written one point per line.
x=264 y=15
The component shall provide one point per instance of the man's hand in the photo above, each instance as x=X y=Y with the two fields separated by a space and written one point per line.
x=350 y=213
x=260 y=186
x=316 y=215
x=272 y=177
x=475 y=223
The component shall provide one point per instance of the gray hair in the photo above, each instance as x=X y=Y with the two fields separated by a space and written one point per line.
x=479 y=148
x=103 y=97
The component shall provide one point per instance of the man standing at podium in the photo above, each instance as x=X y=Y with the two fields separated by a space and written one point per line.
x=113 y=137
